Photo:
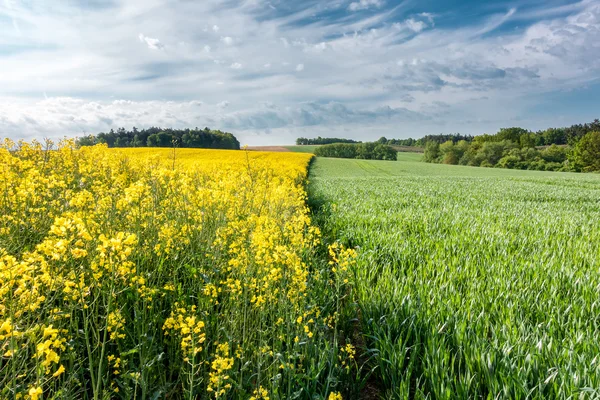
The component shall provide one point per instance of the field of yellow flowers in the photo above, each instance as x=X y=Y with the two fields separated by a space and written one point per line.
x=166 y=273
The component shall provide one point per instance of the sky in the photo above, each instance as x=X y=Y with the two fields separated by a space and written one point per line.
x=270 y=71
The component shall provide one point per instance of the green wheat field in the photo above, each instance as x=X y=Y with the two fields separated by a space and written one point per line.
x=470 y=282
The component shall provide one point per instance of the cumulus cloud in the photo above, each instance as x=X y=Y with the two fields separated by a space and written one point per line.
x=430 y=17
x=414 y=25
x=152 y=43
x=364 y=67
x=365 y=4
x=311 y=114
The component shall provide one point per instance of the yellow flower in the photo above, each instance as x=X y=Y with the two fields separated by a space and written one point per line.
x=335 y=396
x=59 y=371
x=35 y=392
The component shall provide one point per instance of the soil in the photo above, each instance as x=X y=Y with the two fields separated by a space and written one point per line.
x=268 y=148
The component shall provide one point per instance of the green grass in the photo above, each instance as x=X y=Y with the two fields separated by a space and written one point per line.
x=471 y=282
x=302 y=149
x=405 y=156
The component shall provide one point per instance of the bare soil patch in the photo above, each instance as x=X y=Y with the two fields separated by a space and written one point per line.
x=268 y=148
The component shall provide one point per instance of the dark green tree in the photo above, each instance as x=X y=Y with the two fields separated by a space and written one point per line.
x=586 y=154
x=432 y=152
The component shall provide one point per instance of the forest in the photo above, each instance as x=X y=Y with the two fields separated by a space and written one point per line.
x=567 y=149
x=365 y=151
x=559 y=136
x=319 y=140
x=159 y=137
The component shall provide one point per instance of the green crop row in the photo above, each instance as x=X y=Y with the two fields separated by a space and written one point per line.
x=470 y=283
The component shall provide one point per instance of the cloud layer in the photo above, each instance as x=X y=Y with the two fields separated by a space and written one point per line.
x=271 y=70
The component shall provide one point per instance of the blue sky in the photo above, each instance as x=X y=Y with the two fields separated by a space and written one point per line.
x=272 y=70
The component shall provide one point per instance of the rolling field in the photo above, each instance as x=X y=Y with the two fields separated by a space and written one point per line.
x=302 y=149
x=161 y=273
x=203 y=274
x=470 y=282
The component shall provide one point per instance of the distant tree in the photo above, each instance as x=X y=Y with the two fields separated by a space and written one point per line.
x=528 y=140
x=137 y=142
x=575 y=132
x=492 y=152
x=451 y=153
x=513 y=134
x=480 y=139
x=554 y=154
x=432 y=152
x=320 y=141
x=157 y=137
x=587 y=152
x=554 y=136
x=367 y=151
x=89 y=140
x=384 y=152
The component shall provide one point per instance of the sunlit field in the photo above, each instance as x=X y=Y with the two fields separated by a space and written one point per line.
x=168 y=273
x=203 y=274
x=470 y=282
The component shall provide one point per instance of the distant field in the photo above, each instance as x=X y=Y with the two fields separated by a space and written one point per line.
x=302 y=149
x=409 y=156
x=409 y=149
x=268 y=148
x=470 y=282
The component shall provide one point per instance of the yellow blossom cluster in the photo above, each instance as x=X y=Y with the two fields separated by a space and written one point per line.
x=127 y=271
x=219 y=379
x=260 y=394
x=188 y=328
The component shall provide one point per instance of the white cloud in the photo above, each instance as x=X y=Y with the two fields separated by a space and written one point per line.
x=414 y=25
x=227 y=40
x=223 y=104
x=365 y=4
x=152 y=43
x=362 y=60
x=215 y=28
x=236 y=65
x=320 y=47
x=300 y=67
x=430 y=17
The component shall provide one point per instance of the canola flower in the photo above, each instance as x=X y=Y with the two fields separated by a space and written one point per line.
x=176 y=273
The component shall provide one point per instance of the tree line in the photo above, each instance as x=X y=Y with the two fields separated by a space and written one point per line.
x=319 y=141
x=365 y=151
x=410 y=142
x=574 y=149
x=559 y=136
x=159 y=137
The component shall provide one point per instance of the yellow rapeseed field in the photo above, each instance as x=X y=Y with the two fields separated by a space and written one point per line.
x=166 y=273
